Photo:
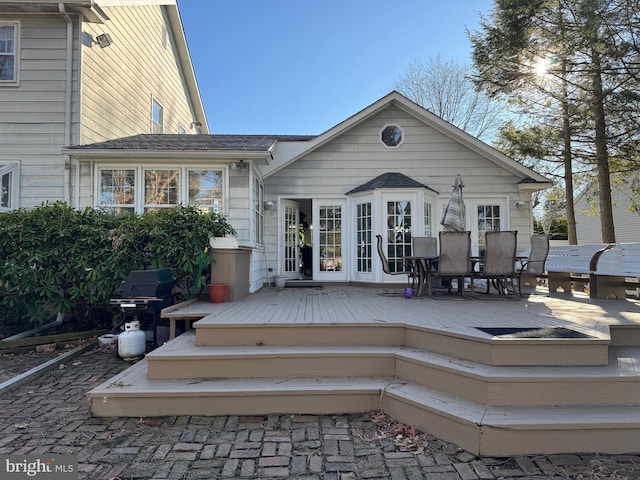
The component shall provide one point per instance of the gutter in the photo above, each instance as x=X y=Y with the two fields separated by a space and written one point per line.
x=68 y=90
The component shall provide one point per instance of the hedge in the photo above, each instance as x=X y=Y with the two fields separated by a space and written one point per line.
x=58 y=259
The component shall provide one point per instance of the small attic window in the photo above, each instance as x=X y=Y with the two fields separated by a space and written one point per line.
x=392 y=136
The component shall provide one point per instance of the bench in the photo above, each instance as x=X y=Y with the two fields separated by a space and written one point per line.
x=616 y=269
x=608 y=268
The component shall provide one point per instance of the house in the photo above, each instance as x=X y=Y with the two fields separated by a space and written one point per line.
x=75 y=72
x=310 y=206
x=626 y=222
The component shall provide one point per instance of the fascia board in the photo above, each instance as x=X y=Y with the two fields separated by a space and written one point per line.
x=109 y=154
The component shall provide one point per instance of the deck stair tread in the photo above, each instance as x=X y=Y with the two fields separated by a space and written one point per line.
x=624 y=362
x=133 y=383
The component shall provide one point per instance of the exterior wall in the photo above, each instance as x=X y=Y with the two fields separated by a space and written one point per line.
x=32 y=117
x=111 y=95
x=627 y=223
x=426 y=156
x=118 y=81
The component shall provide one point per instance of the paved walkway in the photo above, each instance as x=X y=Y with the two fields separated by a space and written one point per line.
x=52 y=415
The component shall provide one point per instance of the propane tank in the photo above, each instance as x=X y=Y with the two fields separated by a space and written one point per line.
x=132 y=343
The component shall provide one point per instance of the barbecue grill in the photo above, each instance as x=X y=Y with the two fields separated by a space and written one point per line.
x=143 y=294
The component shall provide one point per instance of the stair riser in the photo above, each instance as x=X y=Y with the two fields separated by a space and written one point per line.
x=514 y=392
x=300 y=334
x=529 y=352
x=269 y=367
x=244 y=403
x=523 y=392
x=490 y=352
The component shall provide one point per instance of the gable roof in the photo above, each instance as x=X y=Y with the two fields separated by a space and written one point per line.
x=533 y=179
x=389 y=180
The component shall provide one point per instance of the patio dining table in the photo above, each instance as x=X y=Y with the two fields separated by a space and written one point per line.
x=422 y=266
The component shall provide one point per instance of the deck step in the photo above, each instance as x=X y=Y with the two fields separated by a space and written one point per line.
x=475 y=427
x=489 y=385
x=479 y=347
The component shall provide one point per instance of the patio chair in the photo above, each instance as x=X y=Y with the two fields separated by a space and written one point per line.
x=410 y=271
x=453 y=261
x=534 y=266
x=424 y=250
x=498 y=266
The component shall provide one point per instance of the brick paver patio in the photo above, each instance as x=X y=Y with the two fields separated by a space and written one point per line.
x=51 y=415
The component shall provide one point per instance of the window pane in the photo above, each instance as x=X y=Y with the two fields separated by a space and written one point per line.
x=5 y=190
x=157 y=121
x=117 y=189
x=205 y=189
x=161 y=188
x=398 y=233
x=7 y=52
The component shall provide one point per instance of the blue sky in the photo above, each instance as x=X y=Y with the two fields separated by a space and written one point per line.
x=302 y=66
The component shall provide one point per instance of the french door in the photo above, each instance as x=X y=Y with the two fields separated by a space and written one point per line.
x=291 y=239
x=329 y=240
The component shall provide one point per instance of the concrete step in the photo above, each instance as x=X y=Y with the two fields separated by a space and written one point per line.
x=480 y=429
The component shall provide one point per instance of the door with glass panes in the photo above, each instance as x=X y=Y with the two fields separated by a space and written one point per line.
x=329 y=240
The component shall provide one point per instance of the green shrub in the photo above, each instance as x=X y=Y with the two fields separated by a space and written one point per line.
x=58 y=259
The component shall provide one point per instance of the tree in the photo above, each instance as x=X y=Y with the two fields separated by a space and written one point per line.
x=589 y=49
x=445 y=88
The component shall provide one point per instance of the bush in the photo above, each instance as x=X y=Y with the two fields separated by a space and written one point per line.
x=58 y=259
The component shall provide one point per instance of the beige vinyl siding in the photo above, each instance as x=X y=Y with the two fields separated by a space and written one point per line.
x=358 y=156
x=118 y=81
x=33 y=113
x=426 y=155
x=626 y=223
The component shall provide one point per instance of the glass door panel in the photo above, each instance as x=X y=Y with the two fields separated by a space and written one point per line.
x=328 y=240
x=291 y=257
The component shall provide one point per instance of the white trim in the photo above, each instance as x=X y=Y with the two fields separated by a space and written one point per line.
x=402 y=136
x=152 y=122
x=183 y=188
x=12 y=168
x=16 y=53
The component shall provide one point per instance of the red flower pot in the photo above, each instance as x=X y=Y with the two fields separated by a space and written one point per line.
x=218 y=292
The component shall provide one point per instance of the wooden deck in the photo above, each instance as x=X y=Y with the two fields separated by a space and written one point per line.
x=426 y=361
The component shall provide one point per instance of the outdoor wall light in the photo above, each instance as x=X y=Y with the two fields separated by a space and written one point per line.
x=104 y=40
x=269 y=205
x=519 y=205
x=239 y=164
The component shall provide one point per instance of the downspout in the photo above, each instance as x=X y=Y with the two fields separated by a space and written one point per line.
x=68 y=91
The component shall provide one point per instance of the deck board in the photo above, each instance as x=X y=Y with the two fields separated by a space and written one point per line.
x=451 y=313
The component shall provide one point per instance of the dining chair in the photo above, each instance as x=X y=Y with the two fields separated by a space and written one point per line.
x=453 y=260
x=534 y=266
x=412 y=274
x=499 y=263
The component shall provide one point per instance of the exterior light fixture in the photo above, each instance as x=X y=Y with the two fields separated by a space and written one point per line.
x=104 y=40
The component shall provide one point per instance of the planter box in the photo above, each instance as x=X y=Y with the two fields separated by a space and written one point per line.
x=223 y=242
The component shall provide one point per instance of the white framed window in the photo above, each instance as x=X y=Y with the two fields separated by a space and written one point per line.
x=427 y=220
x=9 y=181
x=391 y=136
x=157 y=116
x=206 y=188
x=9 y=48
x=161 y=188
x=144 y=188
x=258 y=211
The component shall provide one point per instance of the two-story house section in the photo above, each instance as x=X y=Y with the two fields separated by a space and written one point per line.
x=80 y=71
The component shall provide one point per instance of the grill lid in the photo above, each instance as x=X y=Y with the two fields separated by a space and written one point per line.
x=156 y=282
